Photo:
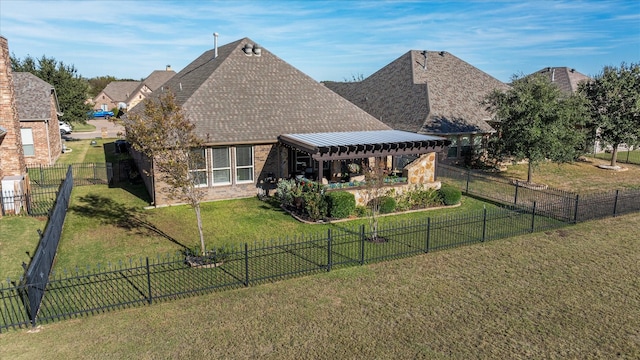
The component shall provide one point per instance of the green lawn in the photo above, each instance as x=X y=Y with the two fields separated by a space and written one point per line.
x=632 y=157
x=572 y=293
x=18 y=241
x=107 y=224
x=83 y=152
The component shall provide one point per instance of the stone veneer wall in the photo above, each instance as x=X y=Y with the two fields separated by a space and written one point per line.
x=420 y=173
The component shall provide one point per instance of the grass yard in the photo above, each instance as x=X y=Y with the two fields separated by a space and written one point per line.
x=569 y=293
x=83 y=151
x=632 y=157
x=106 y=224
x=579 y=177
x=18 y=242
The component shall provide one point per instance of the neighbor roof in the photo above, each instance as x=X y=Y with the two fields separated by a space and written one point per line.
x=33 y=97
x=119 y=91
x=566 y=78
x=429 y=92
x=248 y=95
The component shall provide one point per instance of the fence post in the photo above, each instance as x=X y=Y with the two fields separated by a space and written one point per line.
x=575 y=210
x=515 y=198
x=615 y=204
x=484 y=223
x=150 y=299
x=362 y=244
x=246 y=264
x=468 y=179
x=426 y=243
x=329 y=260
x=533 y=217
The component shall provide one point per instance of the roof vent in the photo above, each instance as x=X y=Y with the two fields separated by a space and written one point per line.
x=442 y=53
x=168 y=68
x=248 y=49
x=257 y=50
x=215 y=45
x=573 y=70
x=424 y=65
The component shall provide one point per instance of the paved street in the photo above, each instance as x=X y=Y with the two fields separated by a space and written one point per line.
x=110 y=129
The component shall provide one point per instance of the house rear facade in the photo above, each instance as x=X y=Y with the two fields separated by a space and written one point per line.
x=241 y=98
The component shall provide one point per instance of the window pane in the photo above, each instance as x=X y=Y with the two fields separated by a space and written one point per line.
x=29 y=150
x=221 y=176
x=197 y=159
x=200 y=177
x=243 y=156
x=220 y=157
x=245 y=174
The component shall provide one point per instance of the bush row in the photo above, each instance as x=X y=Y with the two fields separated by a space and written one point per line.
x=310 y=199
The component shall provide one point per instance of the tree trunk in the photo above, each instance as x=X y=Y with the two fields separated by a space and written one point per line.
x=530 y=172
x=199 y=218
x=614 y=155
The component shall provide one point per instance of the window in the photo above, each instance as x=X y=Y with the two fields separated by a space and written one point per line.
x=27 y=142
x=221 y=167
x=244 y=164
x=453 y=148
x=198 y=167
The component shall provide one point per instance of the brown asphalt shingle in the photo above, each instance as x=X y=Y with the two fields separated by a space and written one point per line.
x=237 y=98
x=442 y=96
x=33 y=97
x=566 y=78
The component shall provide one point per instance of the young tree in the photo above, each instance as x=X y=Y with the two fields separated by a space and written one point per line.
x=536 y=122
x=163 y=133
x=614 y=97
x=71 y=88
x=373 y=192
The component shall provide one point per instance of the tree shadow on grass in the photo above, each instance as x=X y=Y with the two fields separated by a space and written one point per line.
x=111 y=212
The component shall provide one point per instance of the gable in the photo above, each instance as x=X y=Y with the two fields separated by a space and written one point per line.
x=33 y=97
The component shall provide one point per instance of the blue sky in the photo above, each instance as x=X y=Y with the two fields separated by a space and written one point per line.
x=328 y=40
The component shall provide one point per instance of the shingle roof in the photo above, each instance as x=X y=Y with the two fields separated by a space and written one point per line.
x=119 y=91
x=240 y=98
x=566 y=78
x=152 y=82
x=33 y=97
x=430 y=92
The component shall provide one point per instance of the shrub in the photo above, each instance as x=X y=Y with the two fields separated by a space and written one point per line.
x=420 y=198
x=450 y=194
x=341 y=204
x=362 y=211
x=387 y=204
x=315 y=204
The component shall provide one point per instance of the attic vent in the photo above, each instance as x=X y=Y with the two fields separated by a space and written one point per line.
x=442 y=53
x=573 y=70
x=257 y=50
x=248 y=49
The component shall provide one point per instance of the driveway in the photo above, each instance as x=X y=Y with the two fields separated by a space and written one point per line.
x=104 y=129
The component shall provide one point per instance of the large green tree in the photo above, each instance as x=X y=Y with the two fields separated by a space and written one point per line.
x=71 y=88
x=163 y=133
x=536 y=122
x=614 y=97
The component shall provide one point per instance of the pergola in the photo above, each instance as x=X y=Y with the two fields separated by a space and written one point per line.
x=331 y=146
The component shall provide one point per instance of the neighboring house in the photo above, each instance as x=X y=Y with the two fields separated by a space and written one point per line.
x=13 y=174
x=149 y=85
x=38 y=111
x=262 y=119
x=114 y=93
x=566 y=78
x=428 y=92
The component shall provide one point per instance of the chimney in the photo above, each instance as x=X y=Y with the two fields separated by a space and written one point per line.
x=215 y=45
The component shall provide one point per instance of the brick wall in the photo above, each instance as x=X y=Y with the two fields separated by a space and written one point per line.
x=11 y=156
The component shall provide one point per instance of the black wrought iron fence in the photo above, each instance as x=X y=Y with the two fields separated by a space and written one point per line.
x=83 y=174
x=149 y=280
